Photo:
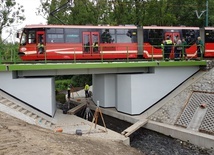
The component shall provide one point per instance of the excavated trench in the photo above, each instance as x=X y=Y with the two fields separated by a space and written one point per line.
x=150 y=142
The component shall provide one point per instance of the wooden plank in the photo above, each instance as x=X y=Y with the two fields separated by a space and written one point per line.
x=134 y=127
x=76 y=109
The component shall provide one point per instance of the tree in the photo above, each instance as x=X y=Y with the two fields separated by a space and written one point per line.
x=10 y=13
x=135 y=12
x=84 y=12
x=122 y=12
x=211 y=14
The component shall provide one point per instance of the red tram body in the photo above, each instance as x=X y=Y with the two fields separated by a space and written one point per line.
x=67 y=42
x=209 y=42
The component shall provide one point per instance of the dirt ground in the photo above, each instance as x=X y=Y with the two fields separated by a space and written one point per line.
x=19 y=137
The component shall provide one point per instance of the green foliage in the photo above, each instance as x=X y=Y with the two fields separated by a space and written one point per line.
x=138 y=12
x=61 y=77
x=10 y=13
x=8 y=52
x=60 y=98
x=62 y=84
x=80 y=80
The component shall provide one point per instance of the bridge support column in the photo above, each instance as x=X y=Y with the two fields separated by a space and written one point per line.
x=39 y=92
x=104 y=89
x=134 y=93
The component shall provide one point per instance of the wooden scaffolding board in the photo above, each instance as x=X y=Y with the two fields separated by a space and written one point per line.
x=77 y=108
x=134 y=127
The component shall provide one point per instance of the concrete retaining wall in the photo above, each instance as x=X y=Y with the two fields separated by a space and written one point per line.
x=196 y=138
x=37 y=92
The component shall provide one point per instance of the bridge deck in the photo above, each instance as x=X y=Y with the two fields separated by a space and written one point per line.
x=92 y=65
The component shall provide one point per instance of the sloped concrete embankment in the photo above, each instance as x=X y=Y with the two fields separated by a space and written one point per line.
x=180 y=114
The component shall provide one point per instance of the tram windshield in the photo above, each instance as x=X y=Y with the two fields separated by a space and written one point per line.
x=23 y=38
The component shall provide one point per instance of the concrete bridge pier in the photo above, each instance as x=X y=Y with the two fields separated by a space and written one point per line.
x=134 y=93
x=38 y=92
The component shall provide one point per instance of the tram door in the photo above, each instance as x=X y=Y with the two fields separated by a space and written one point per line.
x=173 y=36
x=40 y=42
x=91 y=43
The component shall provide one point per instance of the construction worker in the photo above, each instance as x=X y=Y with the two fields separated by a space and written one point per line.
x=86 y=90
x=162 y=47
x=41 y=48
x=167 y=48
x=178 y=48
x=200 y=46
x=95 y=46
x=69 y=92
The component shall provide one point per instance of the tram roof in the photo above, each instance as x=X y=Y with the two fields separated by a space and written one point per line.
x=80 y=26
x=209 y=28
x=171 y=27
x=108 y=27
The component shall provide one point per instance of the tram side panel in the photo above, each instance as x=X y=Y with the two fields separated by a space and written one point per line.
x=98 y=42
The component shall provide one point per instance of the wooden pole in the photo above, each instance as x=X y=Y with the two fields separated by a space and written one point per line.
x=95 y=118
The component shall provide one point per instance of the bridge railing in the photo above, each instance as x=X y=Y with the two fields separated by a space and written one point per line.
x=9 y=54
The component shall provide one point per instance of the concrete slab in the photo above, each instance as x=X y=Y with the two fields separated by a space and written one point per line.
x=197 y=119
x=71 y=123
x=68 y=123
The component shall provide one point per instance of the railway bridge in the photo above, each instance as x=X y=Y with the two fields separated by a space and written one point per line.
x=129 y=86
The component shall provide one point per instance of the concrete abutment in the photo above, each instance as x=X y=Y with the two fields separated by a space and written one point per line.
x=134 y=93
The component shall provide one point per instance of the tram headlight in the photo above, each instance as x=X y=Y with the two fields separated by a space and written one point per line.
x=23 y=49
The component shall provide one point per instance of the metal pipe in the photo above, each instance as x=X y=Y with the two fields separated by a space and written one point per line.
x=207 y=13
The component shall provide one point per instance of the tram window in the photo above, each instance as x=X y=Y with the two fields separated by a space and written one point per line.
x=133 y=35
x=145 y=35
x=155 y=36
x=31 y=37
x=113 y=38
x=72 y=36
x=122 y=37
x=54 y=30
x=59 y=30
x=190 y=36
x=55 y=35
x=24 y=38
x=55 y=38
x=121 y=31
x=106 y=36
x=72 y=31
x=209 y=36
x=112 y=31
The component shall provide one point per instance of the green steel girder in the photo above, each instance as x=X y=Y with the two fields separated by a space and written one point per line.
x=50 y=66
x=3 y=67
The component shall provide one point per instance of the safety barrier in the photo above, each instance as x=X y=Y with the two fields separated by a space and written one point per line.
x=9 y=53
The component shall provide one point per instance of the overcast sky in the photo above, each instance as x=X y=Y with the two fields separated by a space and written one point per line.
x=30 y=7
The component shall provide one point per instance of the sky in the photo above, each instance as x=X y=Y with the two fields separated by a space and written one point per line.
x=30 y=7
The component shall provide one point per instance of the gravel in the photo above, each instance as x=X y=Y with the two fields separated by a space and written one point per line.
x=153 y=143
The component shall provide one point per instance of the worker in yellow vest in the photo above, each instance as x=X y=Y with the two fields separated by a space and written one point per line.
x=86 y=90
x=167 y=48
x=95 y=47
x=41 y=48
x=162 y=48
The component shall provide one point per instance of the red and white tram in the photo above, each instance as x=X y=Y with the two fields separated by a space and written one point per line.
x=69 y=42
